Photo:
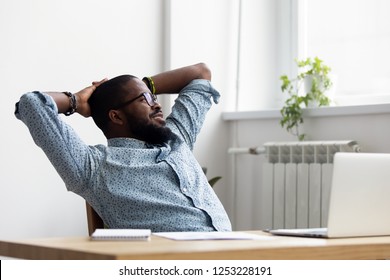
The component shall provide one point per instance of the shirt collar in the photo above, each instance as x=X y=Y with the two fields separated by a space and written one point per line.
x=127 y=142
x=131 y=143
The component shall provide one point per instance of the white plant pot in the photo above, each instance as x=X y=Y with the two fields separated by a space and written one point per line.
x=307 y=84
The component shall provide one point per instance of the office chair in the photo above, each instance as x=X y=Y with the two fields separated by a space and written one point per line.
x=94 y=220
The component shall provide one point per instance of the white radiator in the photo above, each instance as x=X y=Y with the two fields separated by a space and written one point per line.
x=296 y=180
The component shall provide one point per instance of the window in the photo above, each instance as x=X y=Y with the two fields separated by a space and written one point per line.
x=353 y=38
x=350 y=36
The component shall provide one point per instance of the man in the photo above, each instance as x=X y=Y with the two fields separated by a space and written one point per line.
x=147 y=176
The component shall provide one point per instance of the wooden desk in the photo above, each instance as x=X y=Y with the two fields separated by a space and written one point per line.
x=272 y=247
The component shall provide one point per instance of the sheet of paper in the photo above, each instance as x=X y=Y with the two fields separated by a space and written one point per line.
x=211 y=236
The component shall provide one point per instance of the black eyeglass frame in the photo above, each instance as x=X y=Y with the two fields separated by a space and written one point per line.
x=149 y=97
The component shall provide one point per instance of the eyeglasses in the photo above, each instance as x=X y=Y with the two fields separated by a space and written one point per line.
x=150 y=99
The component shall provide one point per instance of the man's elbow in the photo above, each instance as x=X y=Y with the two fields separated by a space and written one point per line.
x=204 y=71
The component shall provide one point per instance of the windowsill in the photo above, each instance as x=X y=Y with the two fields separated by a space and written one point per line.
x=331 y=111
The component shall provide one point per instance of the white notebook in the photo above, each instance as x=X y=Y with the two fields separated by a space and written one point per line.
x=121 y=234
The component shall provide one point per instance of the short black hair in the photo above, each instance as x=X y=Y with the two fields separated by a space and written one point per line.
x=107 y=96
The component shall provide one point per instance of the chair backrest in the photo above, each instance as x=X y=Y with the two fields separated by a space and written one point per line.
x=94 y=220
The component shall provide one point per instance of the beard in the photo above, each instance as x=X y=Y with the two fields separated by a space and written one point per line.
x=150 y=133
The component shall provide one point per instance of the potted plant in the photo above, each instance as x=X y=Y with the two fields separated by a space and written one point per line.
x=307 y=89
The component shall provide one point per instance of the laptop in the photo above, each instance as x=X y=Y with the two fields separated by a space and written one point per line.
x=359 y=202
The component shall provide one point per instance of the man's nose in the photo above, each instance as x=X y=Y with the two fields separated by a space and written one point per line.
x=156 y=105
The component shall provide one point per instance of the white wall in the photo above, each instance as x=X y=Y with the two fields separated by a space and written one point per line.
x=259 y=55
x=62 y=45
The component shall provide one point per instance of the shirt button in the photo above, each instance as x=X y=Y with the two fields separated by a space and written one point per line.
x=184 y=189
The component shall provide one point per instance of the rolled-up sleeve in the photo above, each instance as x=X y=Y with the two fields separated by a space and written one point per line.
x=190 y=109
x=70 y=156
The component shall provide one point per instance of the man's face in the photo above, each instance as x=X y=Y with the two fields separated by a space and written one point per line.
x=145 y=121
x=142 y=105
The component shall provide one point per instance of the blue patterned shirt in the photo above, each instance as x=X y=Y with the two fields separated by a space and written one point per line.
x=130 y=183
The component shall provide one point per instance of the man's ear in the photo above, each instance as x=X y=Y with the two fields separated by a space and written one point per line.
x=116 y=117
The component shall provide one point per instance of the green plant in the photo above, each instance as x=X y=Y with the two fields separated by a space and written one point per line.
x=213 y=180
x=312 y=72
